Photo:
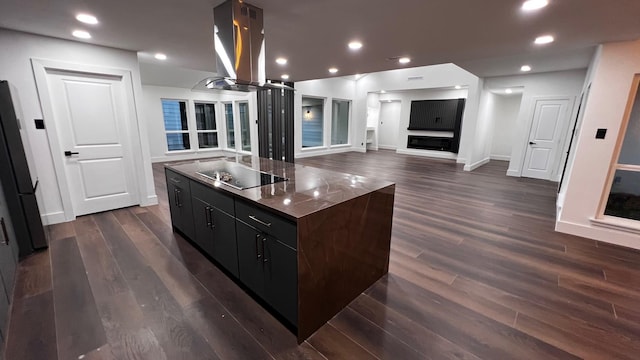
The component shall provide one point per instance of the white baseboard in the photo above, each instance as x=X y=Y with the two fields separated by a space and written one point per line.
x=429 y=153
x=387 y=147
x=515 y=173
x=177 y=157
x=461 y=160
x=603 y=234
x=501 y=157
x=150 y=200
x=53 y=218
x=312 y=153
x=476 y=165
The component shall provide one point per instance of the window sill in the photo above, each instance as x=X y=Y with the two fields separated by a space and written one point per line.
x=315 y=148
x=186 y=152
x=340 y=146
x=620 y=224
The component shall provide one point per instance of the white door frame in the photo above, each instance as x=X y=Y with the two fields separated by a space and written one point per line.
x=564 y=128
x=40 y=67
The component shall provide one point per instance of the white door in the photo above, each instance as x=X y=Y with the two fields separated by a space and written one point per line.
x=90 y=115
x=389 y=125
x=547 y=130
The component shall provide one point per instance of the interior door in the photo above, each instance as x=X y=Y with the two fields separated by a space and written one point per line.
x=90 y=114
x=389 y=125
x=547 y=130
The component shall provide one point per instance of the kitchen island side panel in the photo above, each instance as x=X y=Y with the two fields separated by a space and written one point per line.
x=342 y=250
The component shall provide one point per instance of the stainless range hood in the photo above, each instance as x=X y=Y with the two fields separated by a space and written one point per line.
x=240 y=49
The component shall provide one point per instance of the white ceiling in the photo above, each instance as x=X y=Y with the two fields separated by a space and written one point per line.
x=486 y=37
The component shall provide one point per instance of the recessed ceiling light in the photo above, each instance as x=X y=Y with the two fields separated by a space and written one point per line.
x=281 y=61
x=333 y=70
x=81 y=34
x=355 y=45
x=458 y=87
x=382 y=91
x=404 y=60
x=525 y=68
x=508 y=91
x=545 y=39
x=160 y=56
x=87 y=19
x=285 y=76
x=534 y=4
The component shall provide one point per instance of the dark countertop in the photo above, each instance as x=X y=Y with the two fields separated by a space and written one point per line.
x=306 y=191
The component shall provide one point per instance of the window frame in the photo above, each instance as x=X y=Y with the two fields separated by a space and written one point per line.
x=238 y=126
x=188 y=131
x=348 y=143
x=196 y=132
x=615 y=165
x=324 y=124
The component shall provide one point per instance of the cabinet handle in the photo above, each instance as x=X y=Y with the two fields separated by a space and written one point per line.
x=175 y=196
x=258 y=255
x=213 y=225
x=264 y=255
x=259 y=221
x=178 y=199
x=207 y=215
x=5 y=236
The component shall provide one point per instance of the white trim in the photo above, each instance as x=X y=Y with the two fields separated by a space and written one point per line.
x=476 y=165
x=602 y=233
x=500 y=157
x=429 y=153
x=512 y=172
x=149 y=200
x=40 y=67
x=461 y=160
x=53 y=218
x=326 y=152
x=189 y=156
x=387 y=147
x=615 y=223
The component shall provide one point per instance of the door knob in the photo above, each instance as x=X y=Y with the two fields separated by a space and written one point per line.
x=69 y=153
x=532 y=143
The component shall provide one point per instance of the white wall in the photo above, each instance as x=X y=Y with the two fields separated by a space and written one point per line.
x=612 y=74
x=505 y=115
x=151 y=103
x=327 y=89
x=15 y=66
x=553 y=84
x=420 y=78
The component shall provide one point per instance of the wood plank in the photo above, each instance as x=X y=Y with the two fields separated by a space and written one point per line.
x=34 y=275
x=474 y=332
x=226 y=336
x=335 y=345
x=78 y=326
x=178 y=280
x=32 y=329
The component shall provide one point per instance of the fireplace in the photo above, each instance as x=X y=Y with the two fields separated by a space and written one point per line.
x=432 y=143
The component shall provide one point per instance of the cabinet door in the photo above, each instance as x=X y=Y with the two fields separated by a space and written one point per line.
x=250 y=258
x=223 y=240
x=180 y=203
x=281 y=278
x=202 y=224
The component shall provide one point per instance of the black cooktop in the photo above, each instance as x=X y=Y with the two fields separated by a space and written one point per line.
x=240 y=177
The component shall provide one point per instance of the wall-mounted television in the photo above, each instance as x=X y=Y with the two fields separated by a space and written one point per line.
x=436 y=115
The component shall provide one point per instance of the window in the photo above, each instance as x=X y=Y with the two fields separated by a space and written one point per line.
x=228 y=115
x=312 y=122
x=206 y=125
x=245 y=126
x=175 y=124
x=624 y=194
x=340 y=122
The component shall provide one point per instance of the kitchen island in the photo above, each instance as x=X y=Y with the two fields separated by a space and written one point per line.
x=305 y=241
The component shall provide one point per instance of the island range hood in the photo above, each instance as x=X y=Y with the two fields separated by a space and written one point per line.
x=240 y=48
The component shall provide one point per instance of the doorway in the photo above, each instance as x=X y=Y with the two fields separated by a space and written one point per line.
x=92 y=121
x=389 y=124
x=548 y=129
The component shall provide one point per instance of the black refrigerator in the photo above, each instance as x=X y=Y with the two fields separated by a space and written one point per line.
x=18 y=185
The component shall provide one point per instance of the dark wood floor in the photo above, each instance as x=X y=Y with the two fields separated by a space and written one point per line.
x=476 y=272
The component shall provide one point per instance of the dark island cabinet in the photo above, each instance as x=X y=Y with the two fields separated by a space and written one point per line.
x=270 y=269
x=179 y=194
x=215 y=229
